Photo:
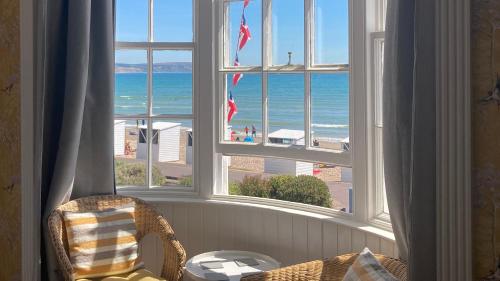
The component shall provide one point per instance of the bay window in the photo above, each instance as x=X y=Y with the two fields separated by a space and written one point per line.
x=290 y=117
x=291 y=84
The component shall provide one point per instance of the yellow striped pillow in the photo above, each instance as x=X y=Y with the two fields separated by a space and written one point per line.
x=102 y=243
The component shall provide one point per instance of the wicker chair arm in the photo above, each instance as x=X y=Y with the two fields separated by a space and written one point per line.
x=174 y=254
x=308 y=271
x=332 y=269
x=56 y=233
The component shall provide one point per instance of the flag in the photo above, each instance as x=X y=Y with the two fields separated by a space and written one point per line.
x=244 y=32
x=232 y=107
x=237 y=76
x=245 y=3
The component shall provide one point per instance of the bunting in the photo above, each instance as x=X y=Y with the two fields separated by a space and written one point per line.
x=233 y=109
x=237 y=76
x=243 y=37
x=244 y=32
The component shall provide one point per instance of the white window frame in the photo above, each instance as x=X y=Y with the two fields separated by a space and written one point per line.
x=375 y=36
x=359 y=26
x=210 y=166
x=150 y=46
x=378 y=213
x=306 y=152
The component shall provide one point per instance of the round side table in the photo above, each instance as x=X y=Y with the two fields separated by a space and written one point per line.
x=227 y=265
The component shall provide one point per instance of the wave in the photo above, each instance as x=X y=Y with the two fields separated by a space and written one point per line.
x=330 y=126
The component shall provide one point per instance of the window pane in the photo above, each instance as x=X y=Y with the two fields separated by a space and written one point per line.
x=288 y=32
x=286 y=109
x=130 y=146
x=173 y=21
x=131 y=82
x=310 y=183
x=172 y=82
x=330 y=110
x=172 y=153
x=132 y=20
x=246 y=125
x=331 y=32
x=250 y=54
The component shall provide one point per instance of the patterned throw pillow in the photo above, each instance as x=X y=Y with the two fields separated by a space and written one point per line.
x=367 y=268
x=102 y=243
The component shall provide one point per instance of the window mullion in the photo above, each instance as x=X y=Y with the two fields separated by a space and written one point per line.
x=265 y=129
x=150 y=21
x=266 y=59
x=307 y=108
x=149 y=166
x=226 y=56
x=307 y=76
x=266 y=34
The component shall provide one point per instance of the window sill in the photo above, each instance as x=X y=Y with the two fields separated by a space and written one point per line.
x=161 y=196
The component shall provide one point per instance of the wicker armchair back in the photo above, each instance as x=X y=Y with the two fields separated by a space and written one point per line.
x=147 y=220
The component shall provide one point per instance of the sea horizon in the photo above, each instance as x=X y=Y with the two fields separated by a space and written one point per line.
x=172 y=94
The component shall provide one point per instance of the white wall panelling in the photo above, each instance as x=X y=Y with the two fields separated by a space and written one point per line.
x=290 y=238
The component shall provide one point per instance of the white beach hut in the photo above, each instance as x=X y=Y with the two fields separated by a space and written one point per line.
x=345 y=144
x=284 y=166
x=119 y=137
x=189 y=146
x=165 y=142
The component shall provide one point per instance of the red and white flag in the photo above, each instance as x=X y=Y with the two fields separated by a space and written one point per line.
x=244 y=32
x=237 y=76
x=245 y=3
x=233 y=109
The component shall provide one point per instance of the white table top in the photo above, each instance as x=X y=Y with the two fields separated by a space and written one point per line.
x=198 y=269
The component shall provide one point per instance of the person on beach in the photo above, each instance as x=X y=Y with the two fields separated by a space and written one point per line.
x=315 y=142
x=246 y=130
x=254 y=131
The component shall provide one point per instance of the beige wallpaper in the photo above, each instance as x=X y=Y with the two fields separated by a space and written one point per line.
x=486 y=137
x=10 y=195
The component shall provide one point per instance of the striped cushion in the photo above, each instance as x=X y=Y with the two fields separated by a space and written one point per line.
x=102 y=243
x=367 y=268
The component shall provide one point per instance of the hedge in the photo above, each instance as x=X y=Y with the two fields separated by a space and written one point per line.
x=301 y=189
x=128 y=173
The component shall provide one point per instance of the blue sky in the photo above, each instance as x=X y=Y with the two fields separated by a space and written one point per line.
x=173 y=23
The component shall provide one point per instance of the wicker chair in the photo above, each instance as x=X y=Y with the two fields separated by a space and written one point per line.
x=326 y=270
x=147 y=220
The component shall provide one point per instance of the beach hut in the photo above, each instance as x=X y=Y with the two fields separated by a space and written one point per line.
x=284 y=166
x=345 y=144
x=165 y=142
x=189 y=146
x=119 y=137
x=286 y=136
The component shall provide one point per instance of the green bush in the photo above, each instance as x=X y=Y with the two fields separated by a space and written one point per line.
x=254 y=186
x=127 y=173
x=234 y=188
x=186 y=181
x=277 y=182
x=302 y=189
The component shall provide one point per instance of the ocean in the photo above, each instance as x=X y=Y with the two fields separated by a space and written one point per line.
x=172 y=95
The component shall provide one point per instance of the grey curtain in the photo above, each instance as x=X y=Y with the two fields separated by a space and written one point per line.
x=410 y=132
x=76 y=106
